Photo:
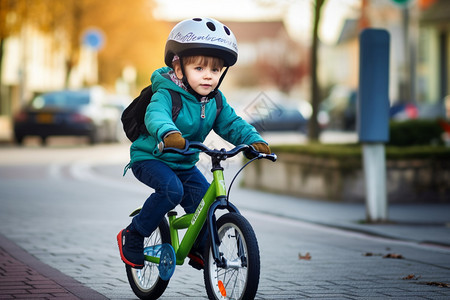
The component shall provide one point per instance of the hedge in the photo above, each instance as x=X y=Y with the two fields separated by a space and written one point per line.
x=415 y=132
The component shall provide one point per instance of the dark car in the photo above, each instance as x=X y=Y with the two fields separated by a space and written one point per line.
x=282 y=119
x=68 y=113
x=339 y=109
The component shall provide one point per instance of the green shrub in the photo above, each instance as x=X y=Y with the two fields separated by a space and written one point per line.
x=346 y=152
x=418 y=152
x=415 y=132
x=321 y=150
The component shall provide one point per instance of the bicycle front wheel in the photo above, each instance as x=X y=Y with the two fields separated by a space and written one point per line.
x=239 y=279
x=145 y=282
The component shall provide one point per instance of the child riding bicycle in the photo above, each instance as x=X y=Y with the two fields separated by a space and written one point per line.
x=198 y=54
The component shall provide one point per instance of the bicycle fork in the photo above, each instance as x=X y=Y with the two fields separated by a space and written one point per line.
x=220 y=203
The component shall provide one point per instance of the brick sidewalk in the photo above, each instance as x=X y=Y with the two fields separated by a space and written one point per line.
x=22 y=276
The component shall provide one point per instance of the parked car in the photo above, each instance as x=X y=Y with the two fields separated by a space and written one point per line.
x=281 y=119
x=338 y=110
x=68 y=113
x=403 y=111
x=119 y=102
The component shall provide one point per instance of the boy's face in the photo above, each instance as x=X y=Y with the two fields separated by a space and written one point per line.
x=202 y=77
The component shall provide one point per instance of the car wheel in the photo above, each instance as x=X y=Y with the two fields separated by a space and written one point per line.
x=94 y=138
x=19 y=139
x=120 y=136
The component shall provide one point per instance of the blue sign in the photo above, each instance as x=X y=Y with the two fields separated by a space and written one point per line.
x=94 y=38
x=373 y=94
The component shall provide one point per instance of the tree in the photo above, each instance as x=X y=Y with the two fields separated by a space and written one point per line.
x=132 y=35
x=285 y=68
x=13 y=14
x=313 y=130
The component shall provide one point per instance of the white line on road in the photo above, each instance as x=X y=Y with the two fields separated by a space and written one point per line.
x=285 y=221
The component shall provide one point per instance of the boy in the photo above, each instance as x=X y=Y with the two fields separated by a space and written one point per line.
x=196 y=52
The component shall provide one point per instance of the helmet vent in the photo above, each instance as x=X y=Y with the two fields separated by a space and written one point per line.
x=197 y=19
x=227 y=31
x=211 y=26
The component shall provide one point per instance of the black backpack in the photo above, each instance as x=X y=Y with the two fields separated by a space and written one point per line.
x=133 y=116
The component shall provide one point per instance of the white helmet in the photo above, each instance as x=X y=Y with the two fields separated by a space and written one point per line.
x=201 y=36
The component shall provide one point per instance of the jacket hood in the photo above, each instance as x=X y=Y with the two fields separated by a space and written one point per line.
x=160 y=80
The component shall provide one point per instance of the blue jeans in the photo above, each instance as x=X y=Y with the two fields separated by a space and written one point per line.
x=172 y=187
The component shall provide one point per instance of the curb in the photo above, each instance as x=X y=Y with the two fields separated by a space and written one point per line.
x=22 y=273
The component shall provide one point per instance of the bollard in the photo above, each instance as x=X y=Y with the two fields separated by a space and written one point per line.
x=373 y=118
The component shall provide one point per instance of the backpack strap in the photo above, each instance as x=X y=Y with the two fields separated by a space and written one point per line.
x=143 y=101
x=219 y=103
x=176 y=104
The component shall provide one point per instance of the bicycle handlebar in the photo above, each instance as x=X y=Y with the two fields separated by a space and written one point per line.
x=222 y=153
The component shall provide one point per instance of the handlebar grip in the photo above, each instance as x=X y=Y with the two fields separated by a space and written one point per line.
x=161 y=147
x=272 y=157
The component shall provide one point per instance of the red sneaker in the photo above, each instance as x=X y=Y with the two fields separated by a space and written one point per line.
x=131 y=248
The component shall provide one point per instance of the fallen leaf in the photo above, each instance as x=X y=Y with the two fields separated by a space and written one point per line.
x=372 y=254
x=411 y=276
x=305 y=257
x=393 y=255
x=439 y=284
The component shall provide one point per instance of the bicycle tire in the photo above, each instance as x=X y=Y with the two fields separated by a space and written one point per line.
x=240 y=281
x=146 y=283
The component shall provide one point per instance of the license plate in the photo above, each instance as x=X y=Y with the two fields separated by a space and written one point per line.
x=44 y=118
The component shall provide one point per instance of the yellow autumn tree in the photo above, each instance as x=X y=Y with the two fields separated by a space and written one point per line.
x=132 y=35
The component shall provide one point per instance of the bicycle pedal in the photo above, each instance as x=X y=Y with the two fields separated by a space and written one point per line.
x=196 y=262
x=195 y=265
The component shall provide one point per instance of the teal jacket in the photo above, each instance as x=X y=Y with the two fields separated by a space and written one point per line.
x=158 y=120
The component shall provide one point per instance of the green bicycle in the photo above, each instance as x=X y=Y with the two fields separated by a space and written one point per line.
x=232 y=263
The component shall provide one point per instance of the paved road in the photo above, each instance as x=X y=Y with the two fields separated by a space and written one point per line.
x=64 y=205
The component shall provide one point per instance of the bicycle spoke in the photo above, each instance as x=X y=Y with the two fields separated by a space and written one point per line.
x=234 y=250
x=146 y=282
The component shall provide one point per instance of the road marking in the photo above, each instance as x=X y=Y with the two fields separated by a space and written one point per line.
x=286 y=221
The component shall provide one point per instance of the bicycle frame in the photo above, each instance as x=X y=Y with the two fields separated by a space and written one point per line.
x=214 y=198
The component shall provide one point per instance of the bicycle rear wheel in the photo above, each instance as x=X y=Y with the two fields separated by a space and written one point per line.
x=145 y=282
x=240 y=279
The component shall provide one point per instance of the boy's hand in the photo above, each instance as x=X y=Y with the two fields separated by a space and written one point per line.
x=261 y=147
x=174 y=140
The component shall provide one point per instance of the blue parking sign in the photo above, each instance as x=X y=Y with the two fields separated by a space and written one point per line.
x=94 y=38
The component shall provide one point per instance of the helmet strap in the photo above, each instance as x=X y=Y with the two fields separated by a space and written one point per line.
x=214 y=92
x=184 y=78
